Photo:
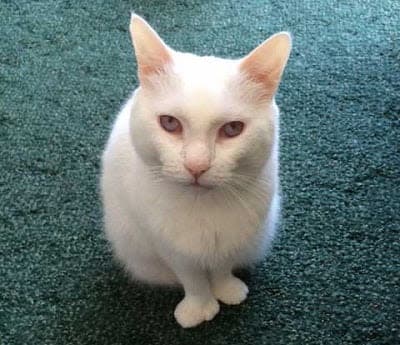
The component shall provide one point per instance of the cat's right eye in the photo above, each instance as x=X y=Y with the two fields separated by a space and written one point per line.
x=170 y=124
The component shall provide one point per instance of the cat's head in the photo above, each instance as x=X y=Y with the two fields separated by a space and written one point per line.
x=204 y=120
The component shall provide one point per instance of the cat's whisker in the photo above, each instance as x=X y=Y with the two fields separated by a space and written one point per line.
x=253 y=191
x=239 y=199
x=244 y=182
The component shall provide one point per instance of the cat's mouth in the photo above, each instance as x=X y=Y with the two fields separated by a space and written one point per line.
x=191 y=183
x=198 y=185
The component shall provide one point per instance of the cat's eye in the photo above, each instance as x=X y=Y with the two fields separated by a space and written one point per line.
x=231 y=129
x=170 y=124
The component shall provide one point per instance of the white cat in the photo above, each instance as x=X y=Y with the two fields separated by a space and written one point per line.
x=190 y=171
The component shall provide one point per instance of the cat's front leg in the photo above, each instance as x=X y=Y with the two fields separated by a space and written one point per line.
x=226 y=287
x=199 y=304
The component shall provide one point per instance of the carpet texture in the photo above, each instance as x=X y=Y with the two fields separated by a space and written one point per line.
x=333 y=275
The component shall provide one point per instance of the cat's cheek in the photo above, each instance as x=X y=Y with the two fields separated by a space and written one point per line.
x=225 y=163
x=171 y=160
x=145 y=149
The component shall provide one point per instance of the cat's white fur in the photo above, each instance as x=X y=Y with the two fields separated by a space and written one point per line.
x=165 y=230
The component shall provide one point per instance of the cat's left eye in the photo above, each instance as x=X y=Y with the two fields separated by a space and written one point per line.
x=231 y=129
x=170 y=124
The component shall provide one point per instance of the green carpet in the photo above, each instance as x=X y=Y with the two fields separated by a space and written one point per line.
x=333 y=275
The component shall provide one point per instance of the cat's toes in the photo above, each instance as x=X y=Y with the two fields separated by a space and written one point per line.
x=230 y=291
x=192 y=311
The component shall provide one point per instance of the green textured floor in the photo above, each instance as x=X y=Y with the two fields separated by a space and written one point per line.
x=333 y=276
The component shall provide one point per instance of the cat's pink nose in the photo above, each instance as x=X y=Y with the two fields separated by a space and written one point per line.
x=197 y=169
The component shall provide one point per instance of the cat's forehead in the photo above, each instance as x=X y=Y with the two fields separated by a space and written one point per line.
x=204 y=69
x=204 y=83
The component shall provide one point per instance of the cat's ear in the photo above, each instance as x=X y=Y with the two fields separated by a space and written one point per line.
x=265 y=64
x=152 y=54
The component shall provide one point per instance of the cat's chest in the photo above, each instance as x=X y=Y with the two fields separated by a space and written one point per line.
x=208 y=227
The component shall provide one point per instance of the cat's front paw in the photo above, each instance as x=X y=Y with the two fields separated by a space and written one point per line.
x=230 y=291
x=192 y=311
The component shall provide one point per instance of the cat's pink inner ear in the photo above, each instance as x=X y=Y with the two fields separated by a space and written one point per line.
x=265 y=64
x=152 y=54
